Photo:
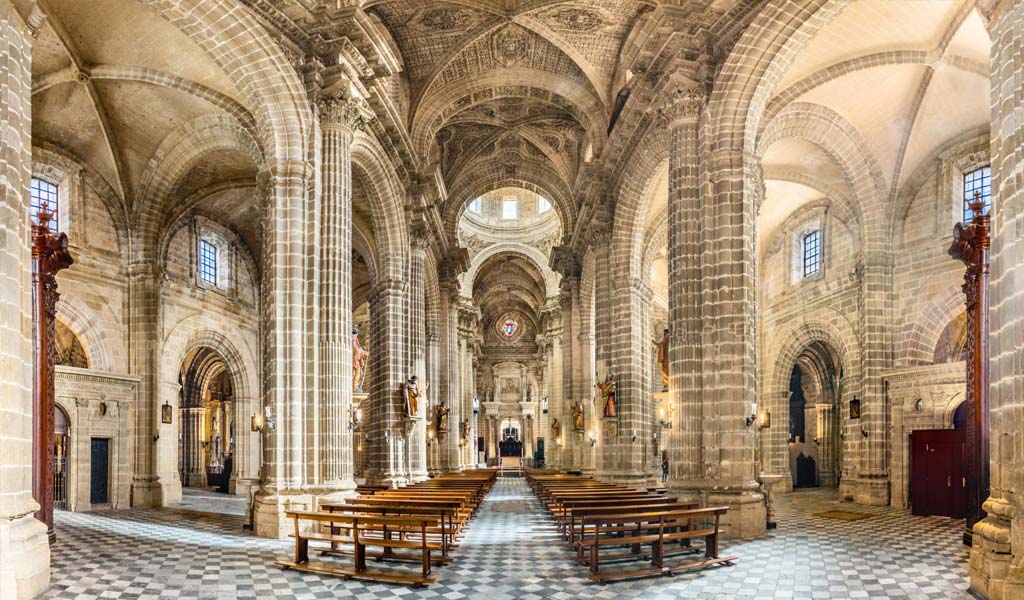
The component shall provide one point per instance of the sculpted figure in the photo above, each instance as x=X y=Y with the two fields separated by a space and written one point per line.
x=577 y=416
x=662 y=346
x=413 y=395
x=608 y=391
x=359 y=356
x=556 y=428
x=442 y=416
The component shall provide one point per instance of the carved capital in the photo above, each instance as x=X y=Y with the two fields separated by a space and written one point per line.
x=681 y=103
x=343 y=112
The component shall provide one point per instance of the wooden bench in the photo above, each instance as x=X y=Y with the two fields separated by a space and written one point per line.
x=361 y=531
x=444 y=532
x=656 y=529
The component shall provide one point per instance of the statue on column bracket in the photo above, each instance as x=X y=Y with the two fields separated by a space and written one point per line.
x=662 y=346
x=577 y=416
x=413 y=393
x=442 y=417
x=556 y=429
x=608 y=393
x=359 y=358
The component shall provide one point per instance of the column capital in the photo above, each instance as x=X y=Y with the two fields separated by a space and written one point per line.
x=681 y=102
x=343 y=112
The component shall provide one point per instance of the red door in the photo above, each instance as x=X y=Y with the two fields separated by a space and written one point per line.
x=937 y=473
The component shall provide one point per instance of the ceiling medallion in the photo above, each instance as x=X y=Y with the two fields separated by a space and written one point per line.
x=575 y=19
x=511 y=45
x=445 y=19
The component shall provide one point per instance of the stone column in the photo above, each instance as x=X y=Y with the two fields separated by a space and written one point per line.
x=417 y=352
x=24 y=553
x=997 y=551
x=333 y=471
x=433 y=393
x=448 y=390
x=384 y=425
x=554 y=376
x=568 y=455
x=712 y=316
x=155 y=481
x=289 y=336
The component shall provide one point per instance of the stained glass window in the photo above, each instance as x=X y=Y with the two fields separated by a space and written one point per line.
x=207 y=262
x=44 y=191
x=978 y=180
x=812 y=253
x=509 y=327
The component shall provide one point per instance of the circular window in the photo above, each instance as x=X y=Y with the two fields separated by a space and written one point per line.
x=509 y=327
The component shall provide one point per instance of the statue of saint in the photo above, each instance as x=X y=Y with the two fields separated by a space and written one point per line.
x=662 y=346
x=467 y=429
x=442 y=416
x=608 y=391
x=577 y=416
x=413 y=395
x=359 y=356
x=556 y=428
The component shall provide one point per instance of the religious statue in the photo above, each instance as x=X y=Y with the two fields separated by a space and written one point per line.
x=442 y=417
x=662 y=346
x=359 y=356
x=577 y=416
x=556 y=428
x=467 y=429
x=413 y=393
x=608 y=392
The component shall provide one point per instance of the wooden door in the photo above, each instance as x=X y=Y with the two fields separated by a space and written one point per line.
x=937 y=485
x=99 y=477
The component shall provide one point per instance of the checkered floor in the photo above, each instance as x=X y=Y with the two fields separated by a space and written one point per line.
x=197 y=549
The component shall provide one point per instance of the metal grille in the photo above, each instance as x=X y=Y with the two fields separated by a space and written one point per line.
x=43 y=191
x=812 y=253
x=978 y=180
x=207 y=262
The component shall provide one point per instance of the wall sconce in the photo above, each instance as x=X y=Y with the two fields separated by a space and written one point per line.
x=633 y=437
x=269 y=421
x=863 y=432
x=356 y=418
x=663 y=419
x=593 y=440
x=753 y=414
x=817 y=441
x=256 y=423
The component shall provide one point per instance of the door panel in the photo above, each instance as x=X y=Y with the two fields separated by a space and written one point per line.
x=99 y=478
x=937 y=475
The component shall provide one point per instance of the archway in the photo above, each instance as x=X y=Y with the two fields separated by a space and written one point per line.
x=61 y=465
x=206 y=442
x=813 y=417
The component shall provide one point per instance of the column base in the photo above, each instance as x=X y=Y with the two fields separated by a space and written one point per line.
x=242 y=486
x=269 y=511
x=870 y=491
x=747 y=516
x=989 y=566
x=24 y=558
x=156 y=492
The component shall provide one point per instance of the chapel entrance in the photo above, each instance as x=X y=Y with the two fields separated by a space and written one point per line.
x=814 y=418
x=206 y=443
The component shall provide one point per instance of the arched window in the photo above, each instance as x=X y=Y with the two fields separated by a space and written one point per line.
x=811 y=245
x=207 y=262
x=509 y=209
x=44 y=192
x=979 y=180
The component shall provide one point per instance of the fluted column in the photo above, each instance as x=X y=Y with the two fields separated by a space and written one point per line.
x=449 y=391
x=712 y=315
x=384 y=424
x=433 y=393
x=417 y=446
x=997 y=551
x=333 y=467
x=24 y=550
x=289 y=338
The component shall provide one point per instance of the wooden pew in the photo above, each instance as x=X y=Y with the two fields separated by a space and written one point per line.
x=655 y=529
x=361 y=531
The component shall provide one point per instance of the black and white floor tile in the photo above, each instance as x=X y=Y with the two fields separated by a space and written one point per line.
x=197 y=549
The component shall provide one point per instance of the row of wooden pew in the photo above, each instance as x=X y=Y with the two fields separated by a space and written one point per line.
x=619 y=526
x=420 y=523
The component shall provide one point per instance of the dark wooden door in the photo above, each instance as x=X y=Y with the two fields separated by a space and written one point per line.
x=937 y=473
x=99 y=486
